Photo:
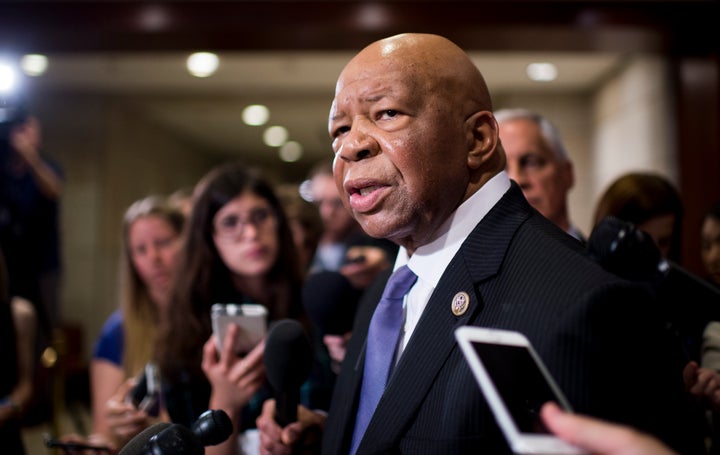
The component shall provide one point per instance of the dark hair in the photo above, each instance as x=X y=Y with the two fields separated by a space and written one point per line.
x=714 y=212
x=203 y=278
x=637 y=197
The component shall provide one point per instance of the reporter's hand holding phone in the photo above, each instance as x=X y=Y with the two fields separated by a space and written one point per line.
x=124 y=419
x=600 y=437
x=234 y=378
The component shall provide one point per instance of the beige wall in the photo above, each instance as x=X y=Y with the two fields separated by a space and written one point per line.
x=631 y=125
x=110 y=157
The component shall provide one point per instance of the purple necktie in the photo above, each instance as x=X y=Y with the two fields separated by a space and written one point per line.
x=380 y=348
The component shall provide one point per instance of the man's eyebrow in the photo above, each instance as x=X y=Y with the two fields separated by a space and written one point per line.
x=365 y=99
x=372 y=99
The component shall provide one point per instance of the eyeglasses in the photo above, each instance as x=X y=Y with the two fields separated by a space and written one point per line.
x=233 y=225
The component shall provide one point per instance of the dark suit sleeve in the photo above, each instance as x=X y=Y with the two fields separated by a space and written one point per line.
x=627 y=366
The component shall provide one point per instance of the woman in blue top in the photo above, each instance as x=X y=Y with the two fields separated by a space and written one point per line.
x=150 y=242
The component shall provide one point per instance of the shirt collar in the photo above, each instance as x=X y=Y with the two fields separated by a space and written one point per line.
x=429 y=261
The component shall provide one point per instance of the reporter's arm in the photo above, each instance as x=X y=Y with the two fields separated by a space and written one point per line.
x=106 y=379
x=25 y=321
x=234 y=380
x=26 y=142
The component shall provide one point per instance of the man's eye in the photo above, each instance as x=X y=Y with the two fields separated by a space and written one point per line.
x=341 y=130
x=390 y=113
x=533 y=162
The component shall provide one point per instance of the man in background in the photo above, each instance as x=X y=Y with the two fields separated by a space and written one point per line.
x=538 y=162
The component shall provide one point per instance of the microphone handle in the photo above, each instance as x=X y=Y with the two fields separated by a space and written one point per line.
x=286 y=403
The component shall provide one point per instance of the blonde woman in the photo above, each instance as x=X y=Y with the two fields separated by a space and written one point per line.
x=150 y=241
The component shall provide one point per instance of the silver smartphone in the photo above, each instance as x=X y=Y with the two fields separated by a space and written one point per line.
x=250 y=318
x=516 y=384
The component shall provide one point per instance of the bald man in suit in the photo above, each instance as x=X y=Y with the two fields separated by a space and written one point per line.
x=418 y=160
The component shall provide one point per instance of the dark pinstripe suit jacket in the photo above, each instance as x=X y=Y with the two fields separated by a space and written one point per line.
x=599 y=335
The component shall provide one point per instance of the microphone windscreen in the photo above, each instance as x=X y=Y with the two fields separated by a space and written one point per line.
x=136 y=444
x=176 y=439
x=288 y=355
x=330 y=301
x=624 y=250
x=212 y=427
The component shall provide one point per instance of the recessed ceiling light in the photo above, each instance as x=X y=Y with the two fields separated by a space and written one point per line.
x=542 y=71
x=255 y=115
x=275 y=136
x=291 y=151
x=34 y=64
x=202 y=64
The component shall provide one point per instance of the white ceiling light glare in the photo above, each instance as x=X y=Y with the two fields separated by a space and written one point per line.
x=291 y=151
x=255 y=115
x=542 y=72
x=305 y=190
x=8 y=78
x=203 y=64
x=275 y=136
x=34 y=64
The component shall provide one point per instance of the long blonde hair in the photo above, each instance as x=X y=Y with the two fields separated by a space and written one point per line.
x=140 y=313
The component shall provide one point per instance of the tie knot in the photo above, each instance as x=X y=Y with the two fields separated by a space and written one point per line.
x=399 y=283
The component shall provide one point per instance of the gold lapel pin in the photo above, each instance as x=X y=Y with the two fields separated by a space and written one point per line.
x=460 y=303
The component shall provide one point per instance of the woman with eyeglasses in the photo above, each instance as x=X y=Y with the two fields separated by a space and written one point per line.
x=238 y=248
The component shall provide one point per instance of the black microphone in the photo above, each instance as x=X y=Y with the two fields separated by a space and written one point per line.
x=288 y=360
x=136 y=444
x=689 y=302
x=211 y=428
x=330 y=301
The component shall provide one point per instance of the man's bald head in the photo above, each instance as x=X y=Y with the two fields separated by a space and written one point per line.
x=431 y=63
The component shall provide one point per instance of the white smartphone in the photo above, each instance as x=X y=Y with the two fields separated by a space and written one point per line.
x=251 y=319
x=516 y=384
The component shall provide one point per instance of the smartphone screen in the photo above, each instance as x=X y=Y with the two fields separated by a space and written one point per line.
x=516 y=385
x=519 y=382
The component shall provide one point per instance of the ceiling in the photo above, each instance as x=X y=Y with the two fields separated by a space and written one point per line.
x=287 y=54
x=296 y=86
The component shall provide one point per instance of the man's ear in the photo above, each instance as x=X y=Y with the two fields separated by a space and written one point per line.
x=483 y=138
